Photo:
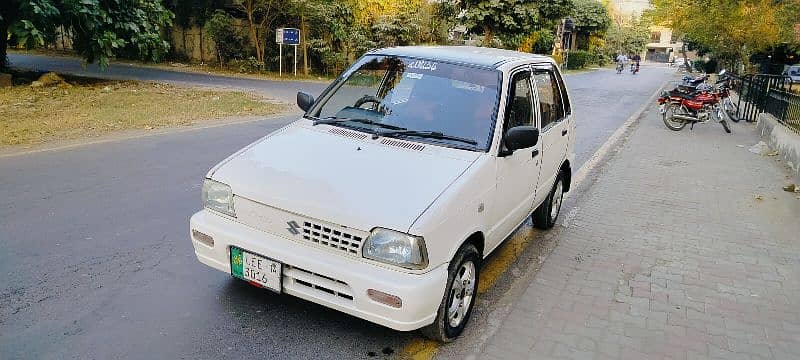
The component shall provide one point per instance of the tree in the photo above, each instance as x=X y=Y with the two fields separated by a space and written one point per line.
x=338 y=38
x=101 y=29
x=591 y=17
x=512 y=17
x=730 y=30
x=260 y=15
x=627 y=36
x=229 y=43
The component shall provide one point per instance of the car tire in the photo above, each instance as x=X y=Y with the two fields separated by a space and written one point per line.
x=544 y=217
x=458 y=300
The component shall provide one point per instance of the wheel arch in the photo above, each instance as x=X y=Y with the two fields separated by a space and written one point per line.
x=477 y=239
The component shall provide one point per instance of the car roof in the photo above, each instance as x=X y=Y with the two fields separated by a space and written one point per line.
x=472 y=55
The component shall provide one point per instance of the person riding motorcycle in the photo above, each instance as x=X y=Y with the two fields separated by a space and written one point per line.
x=635 y=64
x=621 y=60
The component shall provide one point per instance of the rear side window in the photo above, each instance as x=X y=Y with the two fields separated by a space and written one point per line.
x=564 y=96
x=550 y=104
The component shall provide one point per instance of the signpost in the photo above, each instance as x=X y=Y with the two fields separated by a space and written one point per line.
x=288 y=36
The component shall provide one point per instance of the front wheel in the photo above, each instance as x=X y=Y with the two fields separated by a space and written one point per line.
x=725 y=125
x=459 y=296
x=670 y=121
x=730 y=110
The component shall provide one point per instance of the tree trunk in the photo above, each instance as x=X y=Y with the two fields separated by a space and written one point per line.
x=254 y=35
x=202 y=59
x=303 y=29
x=185 y=50
x=488 y=35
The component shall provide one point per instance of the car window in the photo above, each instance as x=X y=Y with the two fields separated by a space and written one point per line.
x=394 y=92
x=519 y=110
x=550 y=106
x=564 y=96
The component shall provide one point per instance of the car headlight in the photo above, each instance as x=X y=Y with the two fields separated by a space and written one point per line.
x=396 y=248
x=218 y=197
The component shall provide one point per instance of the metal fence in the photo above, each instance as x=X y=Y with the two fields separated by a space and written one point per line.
x=772 y=94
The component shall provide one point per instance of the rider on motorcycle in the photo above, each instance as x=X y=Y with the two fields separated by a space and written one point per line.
x=621 y=60
x=635 y=65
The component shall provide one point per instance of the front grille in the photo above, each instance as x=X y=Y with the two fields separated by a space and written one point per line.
x=316 y=284
x=339 y=239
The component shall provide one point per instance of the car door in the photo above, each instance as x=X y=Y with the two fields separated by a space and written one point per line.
x=553 y=125
x=517 y=173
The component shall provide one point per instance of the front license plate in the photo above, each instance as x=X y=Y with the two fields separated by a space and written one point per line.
x=256 y=268
x=662 y=108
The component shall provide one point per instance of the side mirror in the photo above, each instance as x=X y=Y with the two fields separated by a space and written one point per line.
x=304 y=100
x=521 y=137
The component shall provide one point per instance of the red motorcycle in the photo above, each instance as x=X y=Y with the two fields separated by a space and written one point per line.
x=689 y=105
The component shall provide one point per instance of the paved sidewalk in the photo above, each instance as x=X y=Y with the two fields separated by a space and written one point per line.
x=685 y=247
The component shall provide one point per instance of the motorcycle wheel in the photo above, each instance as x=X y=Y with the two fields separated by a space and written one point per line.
x=725 y=125
x=730 y=110
x=670 y=121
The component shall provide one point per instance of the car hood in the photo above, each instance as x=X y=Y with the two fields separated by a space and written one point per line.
x=342 y=176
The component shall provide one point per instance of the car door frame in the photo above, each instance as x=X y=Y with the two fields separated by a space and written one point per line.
x=518 y=212
x=556 y=132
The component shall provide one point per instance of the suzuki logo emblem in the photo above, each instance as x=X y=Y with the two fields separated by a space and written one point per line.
x=293 y=228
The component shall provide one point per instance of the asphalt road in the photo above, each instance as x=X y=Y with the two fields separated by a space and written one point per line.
x=95 y=259
x=279 y=89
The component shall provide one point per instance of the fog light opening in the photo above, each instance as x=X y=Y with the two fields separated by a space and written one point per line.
x=203 y=238
x=385 y=298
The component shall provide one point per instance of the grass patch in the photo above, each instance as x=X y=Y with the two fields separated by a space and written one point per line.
x=85 y=108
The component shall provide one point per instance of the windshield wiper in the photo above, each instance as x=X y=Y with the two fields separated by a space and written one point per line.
x=336 y=119
x=427 y=134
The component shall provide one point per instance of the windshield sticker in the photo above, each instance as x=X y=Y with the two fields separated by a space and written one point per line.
x=414 y=76
x=422 y=65
x=468 y=86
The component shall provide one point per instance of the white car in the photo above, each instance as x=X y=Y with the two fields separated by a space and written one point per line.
x=382 y=200
x=793 y=72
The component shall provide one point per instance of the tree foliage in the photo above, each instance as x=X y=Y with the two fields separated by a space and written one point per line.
x=230 y=44
x=627 y=36
x=101 y=29
x=511 y=18
x=260 y=15
x=591 y=17
x=729 y=29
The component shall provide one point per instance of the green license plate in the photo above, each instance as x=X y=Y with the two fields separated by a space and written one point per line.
x=256 y=268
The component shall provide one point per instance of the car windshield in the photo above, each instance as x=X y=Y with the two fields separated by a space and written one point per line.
x=421 y=100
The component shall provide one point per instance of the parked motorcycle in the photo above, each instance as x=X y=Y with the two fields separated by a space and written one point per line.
x=687 y=104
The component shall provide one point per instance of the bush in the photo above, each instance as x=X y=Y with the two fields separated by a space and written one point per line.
x=578 y=59
x=599 y=57
x=251 y=65
x=230 y=44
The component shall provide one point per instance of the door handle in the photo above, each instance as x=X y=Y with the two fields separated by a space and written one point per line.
x=535 y=153
x=564 y=132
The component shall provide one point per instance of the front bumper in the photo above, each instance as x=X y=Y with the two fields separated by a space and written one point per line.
x=328 y=279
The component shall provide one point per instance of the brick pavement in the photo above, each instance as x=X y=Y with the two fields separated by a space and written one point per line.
x=670 y=255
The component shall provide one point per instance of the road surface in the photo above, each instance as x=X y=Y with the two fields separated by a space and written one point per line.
x=96 y=262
